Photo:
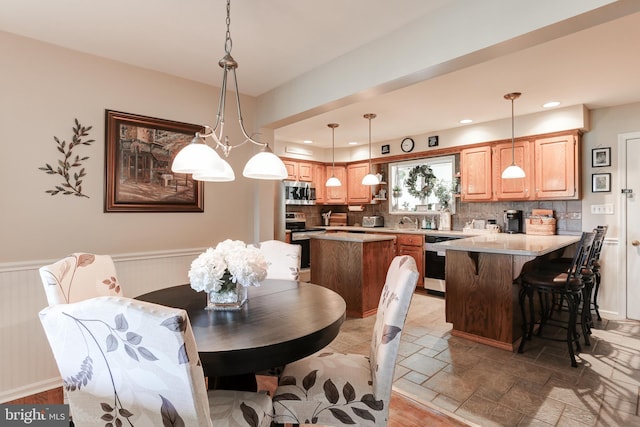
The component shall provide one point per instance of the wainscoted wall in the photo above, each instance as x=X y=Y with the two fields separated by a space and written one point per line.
x=27 y=365
x=611 y=298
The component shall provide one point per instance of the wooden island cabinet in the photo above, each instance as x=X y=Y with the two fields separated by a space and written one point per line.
x=413 y=244
x=481 y=301
x=354 y=265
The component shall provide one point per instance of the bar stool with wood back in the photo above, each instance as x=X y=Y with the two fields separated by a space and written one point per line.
x=590 y=277
x=566 y=284
x=596 y=268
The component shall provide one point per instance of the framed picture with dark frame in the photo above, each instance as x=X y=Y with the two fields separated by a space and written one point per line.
x=600 y=182
x=139 y=153
x=601 y=157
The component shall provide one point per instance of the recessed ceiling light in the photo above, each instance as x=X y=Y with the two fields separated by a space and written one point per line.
x=307 y=141
x=353 y=143
x=466 y=121
x=550 y=104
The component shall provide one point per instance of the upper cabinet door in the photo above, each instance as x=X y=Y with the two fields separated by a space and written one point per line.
x=475 y=174
x=319 y=180
x=298 y=171
x=336 y=195
x=512 y=188
x=305 y=172
x=356 y=192
x=556 y=166
x=292 y=170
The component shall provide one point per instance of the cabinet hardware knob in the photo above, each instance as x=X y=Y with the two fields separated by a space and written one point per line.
x=635 y=243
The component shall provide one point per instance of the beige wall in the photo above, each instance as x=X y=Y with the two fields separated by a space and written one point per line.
x=607 y=124
x=43 y=89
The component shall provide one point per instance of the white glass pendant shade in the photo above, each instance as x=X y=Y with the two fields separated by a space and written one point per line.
x=222 y=172
x=265 y=165
x=370 y=179
x=333 y=182
x=513 y=171
x=195 y=157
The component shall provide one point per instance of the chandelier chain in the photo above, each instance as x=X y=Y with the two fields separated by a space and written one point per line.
x=228 y=43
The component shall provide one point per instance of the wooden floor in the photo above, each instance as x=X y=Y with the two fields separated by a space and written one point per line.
x=405 y=412
x=49 y=397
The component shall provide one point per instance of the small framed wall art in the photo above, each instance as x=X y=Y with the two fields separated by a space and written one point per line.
x=601 y=157
x=601 y=183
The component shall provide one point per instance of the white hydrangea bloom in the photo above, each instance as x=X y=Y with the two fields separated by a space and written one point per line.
x=245 y=264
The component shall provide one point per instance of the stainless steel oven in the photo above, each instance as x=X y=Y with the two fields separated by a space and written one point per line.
x=435 y=263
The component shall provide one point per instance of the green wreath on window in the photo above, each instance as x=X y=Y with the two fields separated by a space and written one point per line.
x=429 y=180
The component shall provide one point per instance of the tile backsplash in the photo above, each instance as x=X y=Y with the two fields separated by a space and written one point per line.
x=568 y=213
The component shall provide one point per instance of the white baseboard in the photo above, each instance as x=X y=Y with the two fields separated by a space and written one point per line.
x=30 y=389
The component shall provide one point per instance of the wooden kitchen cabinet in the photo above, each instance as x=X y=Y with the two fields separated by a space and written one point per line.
x=475 y=173
x=551 y=165
x=353 y=266
x=299 y=171
x=512 y=188
x=292 y=169
x=557 y=167
x=319 y=181
x=356 y=192
x=413 y=244
x=336 y=195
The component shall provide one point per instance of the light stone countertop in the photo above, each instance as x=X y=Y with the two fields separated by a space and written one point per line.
x=352 y=237
x=509 y=244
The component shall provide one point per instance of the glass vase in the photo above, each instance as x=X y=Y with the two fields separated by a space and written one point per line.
x=232 y=296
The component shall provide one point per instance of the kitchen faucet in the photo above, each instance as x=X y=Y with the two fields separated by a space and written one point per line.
x=415 y=224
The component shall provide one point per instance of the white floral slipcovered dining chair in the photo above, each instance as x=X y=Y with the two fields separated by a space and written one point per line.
x=78 y=277
x=283 y=259
x=128 y=362
x=350 y=389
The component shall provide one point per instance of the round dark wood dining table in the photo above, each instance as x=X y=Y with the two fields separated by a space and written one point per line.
x=282 y=321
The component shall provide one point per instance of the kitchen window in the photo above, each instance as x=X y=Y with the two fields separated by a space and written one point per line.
x=422 y=186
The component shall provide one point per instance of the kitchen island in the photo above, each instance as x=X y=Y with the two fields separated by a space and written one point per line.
x=481 y=301
x=354 y=265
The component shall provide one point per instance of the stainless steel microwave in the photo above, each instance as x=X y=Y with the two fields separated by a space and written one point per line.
x=299 y=193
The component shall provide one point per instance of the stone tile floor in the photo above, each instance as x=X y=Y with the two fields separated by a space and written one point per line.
x=486 y=386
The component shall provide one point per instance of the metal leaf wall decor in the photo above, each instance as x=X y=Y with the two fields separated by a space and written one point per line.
x=70 y=167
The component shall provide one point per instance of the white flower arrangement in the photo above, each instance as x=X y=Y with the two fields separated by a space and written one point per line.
x=231 y=260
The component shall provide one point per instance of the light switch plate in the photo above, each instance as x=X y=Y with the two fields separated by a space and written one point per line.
x=606 y=209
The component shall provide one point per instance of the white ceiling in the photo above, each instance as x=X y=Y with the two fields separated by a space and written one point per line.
x=277 y=40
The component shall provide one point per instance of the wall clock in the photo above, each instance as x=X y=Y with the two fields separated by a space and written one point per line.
x=407 y=145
